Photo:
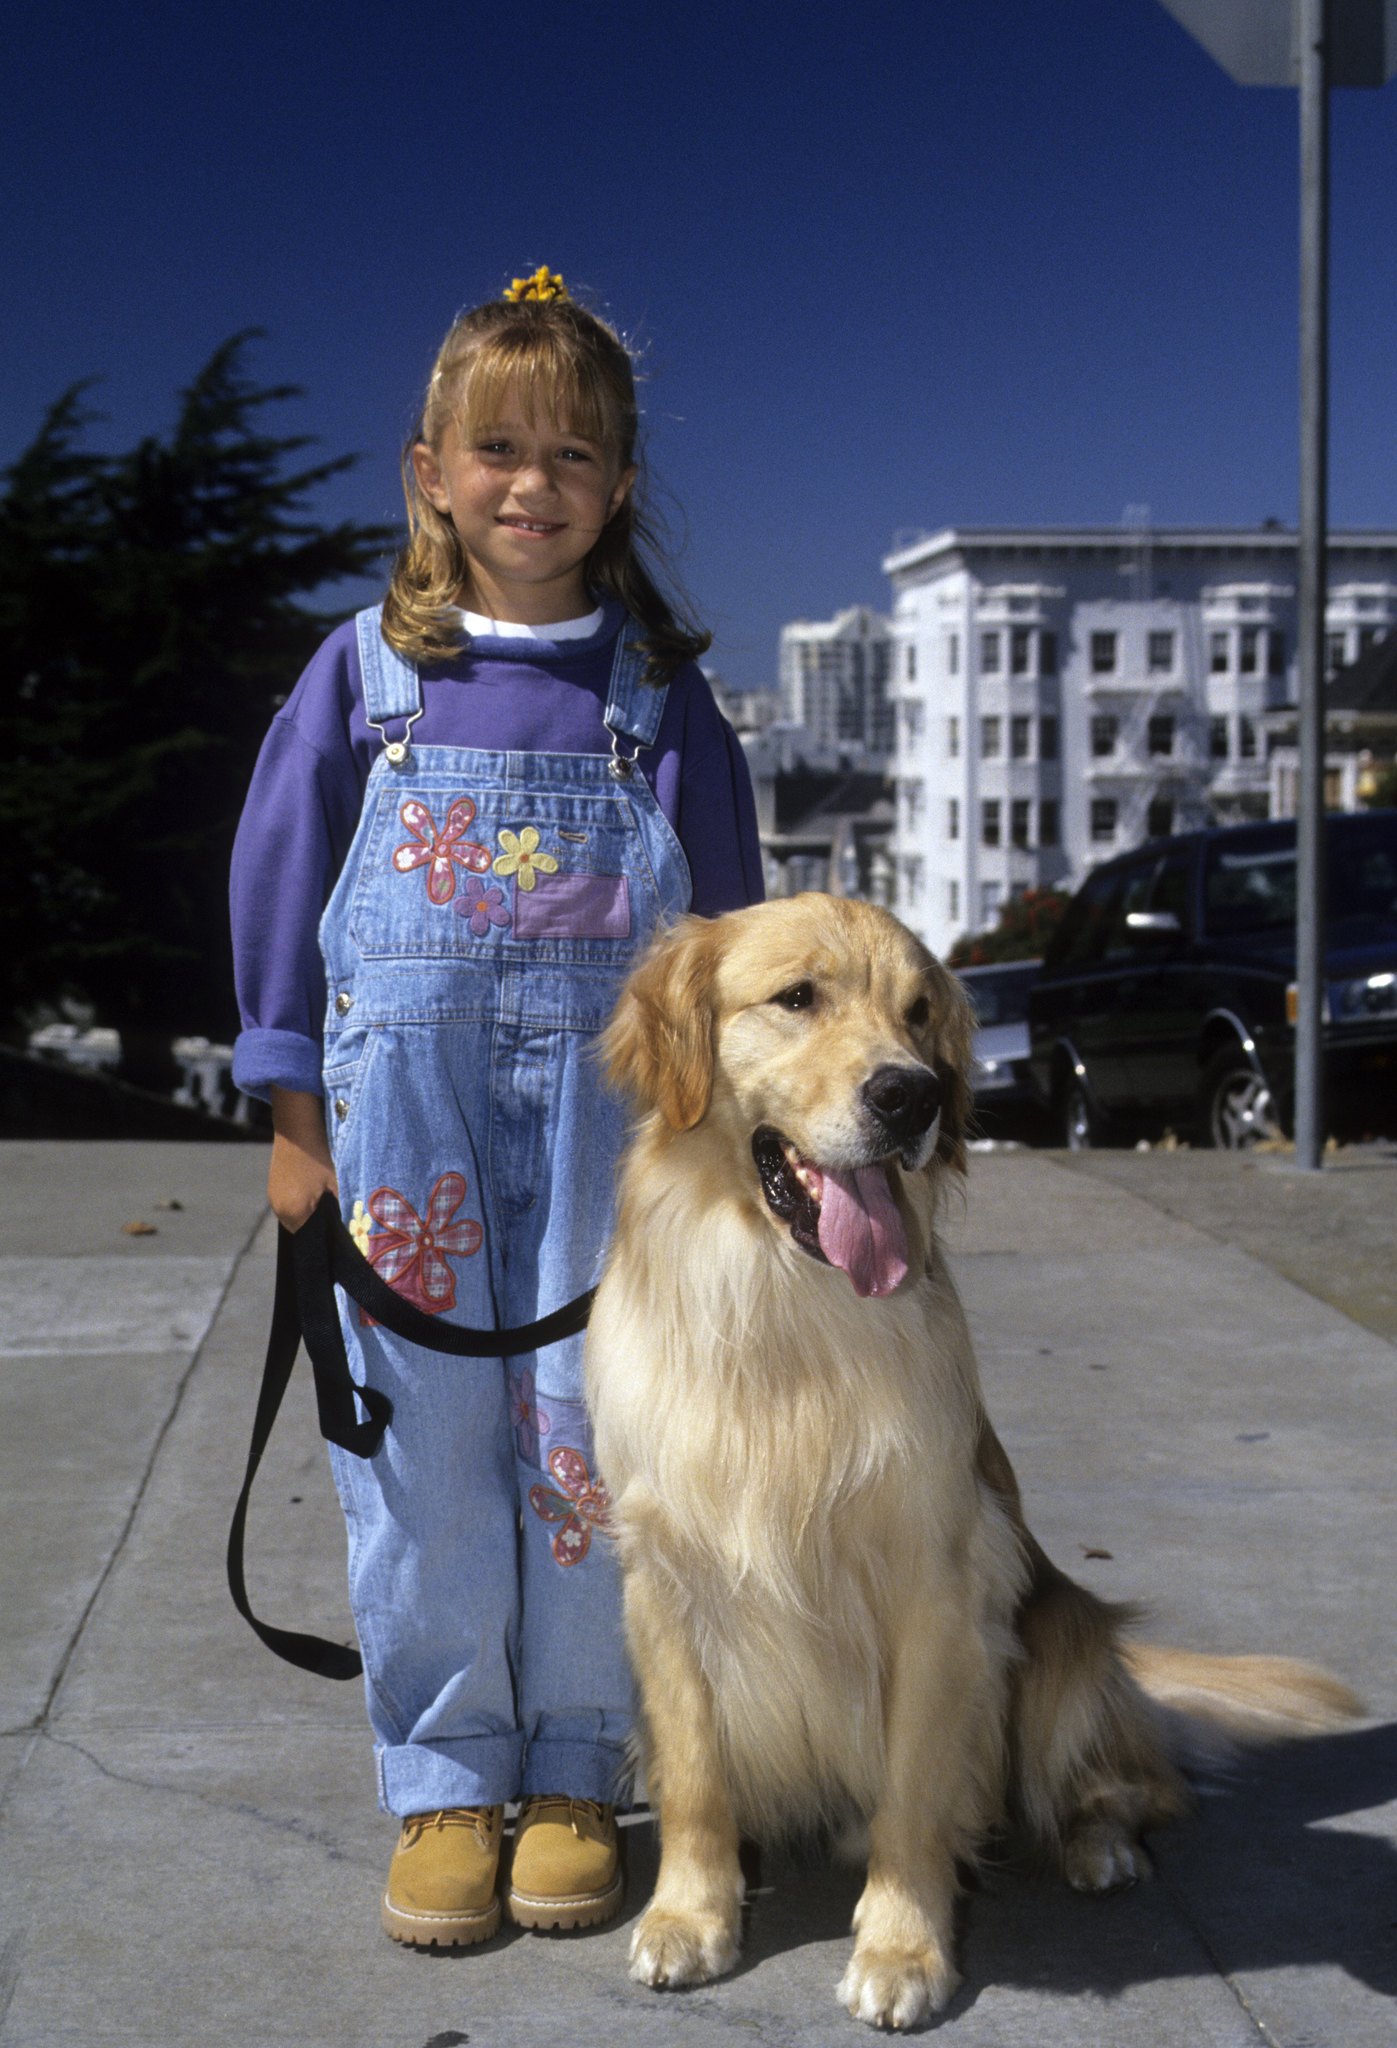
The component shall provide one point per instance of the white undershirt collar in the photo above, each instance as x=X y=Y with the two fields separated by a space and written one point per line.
x=478 y=626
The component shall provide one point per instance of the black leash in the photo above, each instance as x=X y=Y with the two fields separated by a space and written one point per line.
x=310 y=1264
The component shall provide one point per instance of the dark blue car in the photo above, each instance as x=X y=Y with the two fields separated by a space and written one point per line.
x=1167 y=996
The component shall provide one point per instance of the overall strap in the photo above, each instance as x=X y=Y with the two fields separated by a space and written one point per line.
x=633 y=708
x=392 y=686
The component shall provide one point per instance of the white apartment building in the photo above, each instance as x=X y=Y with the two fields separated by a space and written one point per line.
x=1063 y=693
x=834 y=678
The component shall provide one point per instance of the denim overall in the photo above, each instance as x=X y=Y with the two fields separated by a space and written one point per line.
x=476 y=941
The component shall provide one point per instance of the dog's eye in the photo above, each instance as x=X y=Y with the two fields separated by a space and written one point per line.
x=919 y=1013
x=799 y=996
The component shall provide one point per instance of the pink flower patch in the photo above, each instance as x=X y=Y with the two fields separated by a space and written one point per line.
x=441 y=853
x=581 y=1506
x=411 y=1251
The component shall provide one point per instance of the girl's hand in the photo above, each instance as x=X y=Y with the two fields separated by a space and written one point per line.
x=302 y=1169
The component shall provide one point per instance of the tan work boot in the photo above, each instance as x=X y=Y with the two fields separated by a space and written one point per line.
x=441 y=1882
x=566 y=1870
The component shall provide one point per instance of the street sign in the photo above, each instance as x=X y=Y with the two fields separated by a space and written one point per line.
x=1257 y=42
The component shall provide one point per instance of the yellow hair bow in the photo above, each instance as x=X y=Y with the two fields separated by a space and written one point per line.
x=543 y=285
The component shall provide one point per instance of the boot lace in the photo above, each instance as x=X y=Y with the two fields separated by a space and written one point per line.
x=559 y=1807
x=481 y=1818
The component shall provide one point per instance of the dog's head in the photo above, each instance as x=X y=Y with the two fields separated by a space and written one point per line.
x=827 y=1048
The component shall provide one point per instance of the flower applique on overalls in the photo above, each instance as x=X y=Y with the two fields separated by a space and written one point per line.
x=522 y=858
x=529 y=1420
x=410 y=1251
x=581 y=1506
x=483 y=906
x=441 y=853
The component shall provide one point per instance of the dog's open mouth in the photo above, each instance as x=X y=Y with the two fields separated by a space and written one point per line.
x=845 y=1216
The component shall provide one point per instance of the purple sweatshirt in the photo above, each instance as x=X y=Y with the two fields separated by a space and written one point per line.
x=519 y=696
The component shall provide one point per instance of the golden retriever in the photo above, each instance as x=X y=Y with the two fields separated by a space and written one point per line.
x=833 y=1605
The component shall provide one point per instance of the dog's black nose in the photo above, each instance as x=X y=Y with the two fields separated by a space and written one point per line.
x=905 y=1100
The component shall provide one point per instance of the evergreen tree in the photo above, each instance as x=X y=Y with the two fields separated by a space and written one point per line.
x=153 y=613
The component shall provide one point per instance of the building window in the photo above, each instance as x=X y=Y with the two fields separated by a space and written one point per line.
x=1218 y=661
x=912 y=870
x=1333 y=652
x=989 y=653
x=914 y=795
x=989 y=821
x=1018 y=650
x=953 y=900
x=953 y=654
x=914 y=714
x=1159 y=822
x=1018 y=821
x=1161 y=654
x=1047 y=822
x=953 y=818
x=952 y=739
x=1275 y=653
x=1047 y=739
x=1103 y=735
x=991 y=896
x=1217 y=738
x=911 y=664
x=1251 y=650
x=990 y=737
x=1103 y=654
x=1161 y=734
x=1103 y=820
x=1047 y=654
x=1020 y=737
x=1246 y=738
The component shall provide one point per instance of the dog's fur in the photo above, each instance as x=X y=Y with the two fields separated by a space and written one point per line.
x=833 y=1604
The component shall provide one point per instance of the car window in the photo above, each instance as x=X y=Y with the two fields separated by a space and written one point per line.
x=1134 y=895
x=1173 y=889
x=1081 y=937
x=1249 y=890
x=999 y=995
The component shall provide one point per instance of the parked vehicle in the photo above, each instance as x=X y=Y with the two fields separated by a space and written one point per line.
x=1167 y=996
x=999 y=1053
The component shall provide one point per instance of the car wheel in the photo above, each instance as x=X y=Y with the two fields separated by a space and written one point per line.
x=1078 y=1123
x=1239 y=1110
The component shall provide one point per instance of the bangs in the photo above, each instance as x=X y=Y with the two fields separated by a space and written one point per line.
x=548 y=380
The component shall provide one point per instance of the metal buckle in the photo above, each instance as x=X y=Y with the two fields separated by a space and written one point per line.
x=622 y=766
x=397 y=751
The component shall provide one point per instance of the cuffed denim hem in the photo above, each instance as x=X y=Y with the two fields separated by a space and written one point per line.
x=581 y=1770
x=477 y=1770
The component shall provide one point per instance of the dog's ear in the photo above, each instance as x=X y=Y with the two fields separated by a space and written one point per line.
x=658 y=1047
x=954 y=1027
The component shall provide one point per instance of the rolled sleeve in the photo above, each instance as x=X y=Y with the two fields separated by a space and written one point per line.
x=296 y=829
x=263 y=1060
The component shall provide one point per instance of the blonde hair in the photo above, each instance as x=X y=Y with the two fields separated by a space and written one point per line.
x=561 y=360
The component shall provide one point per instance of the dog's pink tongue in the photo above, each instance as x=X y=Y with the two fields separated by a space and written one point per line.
x=860 y=1229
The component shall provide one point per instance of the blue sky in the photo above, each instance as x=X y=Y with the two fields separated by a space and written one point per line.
x=892 y=267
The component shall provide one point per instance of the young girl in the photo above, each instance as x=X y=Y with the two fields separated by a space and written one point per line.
x=474 y=809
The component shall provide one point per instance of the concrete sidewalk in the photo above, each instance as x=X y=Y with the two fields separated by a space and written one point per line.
x=1191 y=1359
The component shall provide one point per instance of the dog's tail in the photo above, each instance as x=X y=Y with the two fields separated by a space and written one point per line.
x=1247 y=1699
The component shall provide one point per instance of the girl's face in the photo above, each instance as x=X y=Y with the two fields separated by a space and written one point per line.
x=528 y=503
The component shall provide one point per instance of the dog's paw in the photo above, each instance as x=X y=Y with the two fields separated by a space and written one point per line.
x=891 y=1987
x=669 y=1948
x=1104 y=1859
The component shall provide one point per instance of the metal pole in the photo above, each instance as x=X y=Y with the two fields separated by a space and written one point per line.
x=1314 y=395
